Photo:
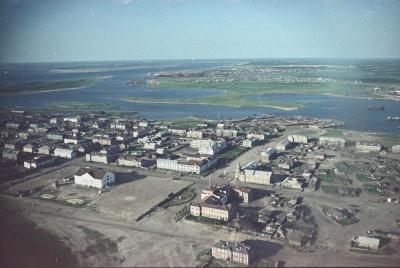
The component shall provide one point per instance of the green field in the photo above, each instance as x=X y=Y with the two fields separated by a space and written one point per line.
x=389 y=139
x=46 y=85
x=244 y=93
x=77 y=105
x=362 y=177
x=230 y=100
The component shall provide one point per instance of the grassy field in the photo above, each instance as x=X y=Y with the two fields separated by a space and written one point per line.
x=362 y=177
x=332 y=132
x=77 y=105
x=229 y=100
x=389 y=139
x=266 y=86
x=185 y=123
x=46 y=85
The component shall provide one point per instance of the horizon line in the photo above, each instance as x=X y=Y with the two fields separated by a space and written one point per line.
x=202 y=59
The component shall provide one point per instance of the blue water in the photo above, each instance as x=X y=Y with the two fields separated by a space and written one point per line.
x=353 y=112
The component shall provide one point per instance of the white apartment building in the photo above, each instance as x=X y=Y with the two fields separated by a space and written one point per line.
x=96 y=178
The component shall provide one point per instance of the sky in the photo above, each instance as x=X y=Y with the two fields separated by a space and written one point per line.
x=97 y=30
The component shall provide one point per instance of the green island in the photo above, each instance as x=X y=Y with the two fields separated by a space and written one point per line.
x=232 y=95
x=41 y=86
x=77 y=105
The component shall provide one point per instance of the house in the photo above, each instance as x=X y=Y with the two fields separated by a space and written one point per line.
x=366 y=242
x=39 y=161
x=150 y=145
x=287 y=162
x=65 y=153
x=72 y=119
x=292 y=183
x=30 y=148
x=11 y=154
x=92 y=177
x=46 y=150
x=269 y=154
x=248 y=143
x=256 y=136
x=232 y=252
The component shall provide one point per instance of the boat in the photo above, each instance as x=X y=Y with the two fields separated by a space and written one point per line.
x=393 y=118
x=376 y=107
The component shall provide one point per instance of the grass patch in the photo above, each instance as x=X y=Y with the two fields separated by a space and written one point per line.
x=46 y=85
x=333 y=132
x=205 y=220
x=101 y=245
x=232 y=153
x=372 y=188
x=362 y=177
x=329 y=177
x=77 y=105
x=329 y=189
x=389 y=139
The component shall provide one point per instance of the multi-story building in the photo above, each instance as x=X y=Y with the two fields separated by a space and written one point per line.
x=178 y=132
x=367 y=242
x=232 y=252
x=187 y=166
x=396 y=149
x=65 y=153
x=332 y=141
x=229 y=133
x=101 y=157
x=194 y=134
x=298 y=139
x=208 y=146
x=368 y=147
x=254 y=172
x=72 y=119
x=55 y=136
x=283 y=145
x=134 y=161
x=104 y=139
x=97 y=178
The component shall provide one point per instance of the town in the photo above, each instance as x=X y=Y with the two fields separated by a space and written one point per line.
x=264 y=190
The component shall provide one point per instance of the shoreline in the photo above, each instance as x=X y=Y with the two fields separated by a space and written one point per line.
x=200 y=103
